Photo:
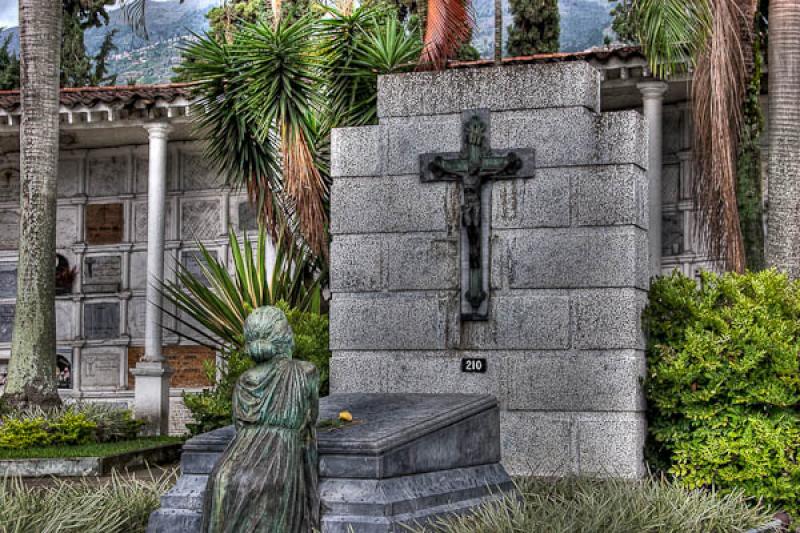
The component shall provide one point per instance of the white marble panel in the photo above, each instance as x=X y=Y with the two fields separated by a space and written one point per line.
x=107 y=176
x=197 y=173
x=9 y=229
x=68 y=177
x=65 y=320
x=66 y=226
x=9 y=185
x=200 y=219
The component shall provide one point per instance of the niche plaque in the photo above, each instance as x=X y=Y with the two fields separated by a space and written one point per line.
x=104 y=223
x=101 y=274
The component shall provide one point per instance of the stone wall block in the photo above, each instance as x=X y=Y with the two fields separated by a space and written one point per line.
x=560 y=136
x=537 y=443
x=385 y=321
x=393 y=205
x=357 y=263
x=410 y=372
x=508 y=87
x=569 y=258
x=521 y=320
x=609 y=319
x=622 y=138
x=574 y=381
x=422 y=262
x=421 y=135
x=610 y=195
x=358 y=151
x=611 y=444
x=539 y=202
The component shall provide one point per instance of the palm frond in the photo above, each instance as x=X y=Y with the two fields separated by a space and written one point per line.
x=714 y=38
x=448 y=25
x=719 y=90
x=672 y=32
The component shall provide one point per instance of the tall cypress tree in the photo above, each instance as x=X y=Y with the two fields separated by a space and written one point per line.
x=78 y=68
x=536 y=27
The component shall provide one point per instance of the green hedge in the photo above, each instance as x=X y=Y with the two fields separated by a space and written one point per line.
x=70 y=425
x=212 y=408
x=723 y=383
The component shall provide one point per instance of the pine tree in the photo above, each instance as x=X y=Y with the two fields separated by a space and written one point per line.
x=536 y=27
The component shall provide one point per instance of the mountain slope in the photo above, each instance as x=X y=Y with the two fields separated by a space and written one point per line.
x=170 y=23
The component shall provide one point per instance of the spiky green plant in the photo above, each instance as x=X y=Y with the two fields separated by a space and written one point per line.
x=612 y=506
x=214 y=305
x=120 y=505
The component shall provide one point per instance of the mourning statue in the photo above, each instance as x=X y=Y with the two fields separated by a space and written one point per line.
x=267 y=479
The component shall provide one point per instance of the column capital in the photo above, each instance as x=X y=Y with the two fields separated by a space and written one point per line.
x=652 y=89
x=158 y=129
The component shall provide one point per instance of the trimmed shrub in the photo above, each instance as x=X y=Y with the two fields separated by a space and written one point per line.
x=70 y=425
x=723 y=385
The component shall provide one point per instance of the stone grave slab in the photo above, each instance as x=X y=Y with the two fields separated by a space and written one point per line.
x=101 y=320
x=100 y=370
x=7 y=312
x=406 y=459
x=101 y=274
x=8 y=280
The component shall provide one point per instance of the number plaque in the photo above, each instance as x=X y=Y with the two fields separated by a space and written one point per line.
x=473 y=365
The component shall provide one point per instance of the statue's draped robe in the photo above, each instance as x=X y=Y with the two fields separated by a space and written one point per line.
x=267 y=479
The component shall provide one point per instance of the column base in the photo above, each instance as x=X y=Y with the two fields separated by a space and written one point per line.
x=151 y=396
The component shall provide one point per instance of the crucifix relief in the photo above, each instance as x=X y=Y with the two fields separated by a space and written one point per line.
x=474 y=167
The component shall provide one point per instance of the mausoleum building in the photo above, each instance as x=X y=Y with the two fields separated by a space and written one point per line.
x=131 y=173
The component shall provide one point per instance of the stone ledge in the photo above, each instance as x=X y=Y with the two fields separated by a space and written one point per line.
x=572 y=84
x=90 y=466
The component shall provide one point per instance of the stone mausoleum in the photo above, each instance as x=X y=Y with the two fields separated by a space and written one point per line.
x=117 y=141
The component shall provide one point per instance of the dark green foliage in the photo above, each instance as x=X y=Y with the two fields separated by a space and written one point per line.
x=748 y=166
x=212 y=408
x=723 y=383
x=72 y=425
x=9 y=66
x=536 y=27
x=624 y=21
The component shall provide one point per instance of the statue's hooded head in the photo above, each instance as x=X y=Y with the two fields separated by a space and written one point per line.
x=267 y=334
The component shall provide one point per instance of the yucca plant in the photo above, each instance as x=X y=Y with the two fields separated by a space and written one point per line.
x=269 y=97
x=214 y=305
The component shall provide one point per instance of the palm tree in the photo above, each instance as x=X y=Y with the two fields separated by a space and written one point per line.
x=448 y=25
x=714 y=37
x=783 y=223
x=32 y=369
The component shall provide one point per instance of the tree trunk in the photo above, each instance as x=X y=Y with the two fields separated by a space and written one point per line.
x=32 y=368
x=783 y=219
x=498 y=31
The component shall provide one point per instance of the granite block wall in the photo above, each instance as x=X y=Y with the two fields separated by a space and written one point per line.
x=567 y=261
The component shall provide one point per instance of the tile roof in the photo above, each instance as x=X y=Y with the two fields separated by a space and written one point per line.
x=601 y=55
x=121 y=96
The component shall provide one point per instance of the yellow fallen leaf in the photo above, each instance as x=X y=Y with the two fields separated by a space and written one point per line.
x=345 y=416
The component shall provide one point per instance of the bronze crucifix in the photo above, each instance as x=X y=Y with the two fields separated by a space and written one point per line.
x=474 y=166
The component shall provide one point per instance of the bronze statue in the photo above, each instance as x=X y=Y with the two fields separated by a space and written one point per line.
x=267 y=479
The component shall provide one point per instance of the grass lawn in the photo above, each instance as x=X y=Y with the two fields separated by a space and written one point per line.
x=88 y=450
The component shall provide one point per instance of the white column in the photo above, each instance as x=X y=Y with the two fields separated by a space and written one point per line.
x=152 y=372
x=653 y=103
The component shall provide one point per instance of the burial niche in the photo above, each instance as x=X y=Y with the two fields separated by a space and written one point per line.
x=104 y=223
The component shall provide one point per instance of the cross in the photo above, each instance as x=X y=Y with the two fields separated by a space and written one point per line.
x=474 y=166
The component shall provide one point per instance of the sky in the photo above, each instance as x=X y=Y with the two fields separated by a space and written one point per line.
x=8 y=13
